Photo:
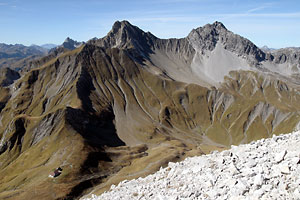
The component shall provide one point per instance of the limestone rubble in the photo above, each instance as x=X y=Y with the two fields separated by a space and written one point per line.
x=265 y=169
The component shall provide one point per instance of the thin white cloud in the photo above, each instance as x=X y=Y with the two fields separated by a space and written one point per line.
x=262 y=7
x=10 y=5
x=256 y=9
x=273 y=15
x=172 y=18
x=175 y=1
x=160 y=19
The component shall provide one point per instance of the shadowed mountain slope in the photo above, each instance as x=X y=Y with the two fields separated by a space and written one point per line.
x=122 y=106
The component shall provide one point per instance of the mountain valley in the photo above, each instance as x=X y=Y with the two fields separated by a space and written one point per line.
x=122 y=106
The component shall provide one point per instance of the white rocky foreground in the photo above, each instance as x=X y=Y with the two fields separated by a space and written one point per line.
x=265 y=169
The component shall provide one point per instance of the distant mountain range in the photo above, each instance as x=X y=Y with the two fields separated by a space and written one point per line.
x=267 y=49
x=19 y=51
x=49 y=46
x=19 y=56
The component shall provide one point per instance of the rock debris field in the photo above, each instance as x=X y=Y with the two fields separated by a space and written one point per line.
x=264 y=169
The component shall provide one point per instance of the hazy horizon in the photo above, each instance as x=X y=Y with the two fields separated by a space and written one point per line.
x=272 y=23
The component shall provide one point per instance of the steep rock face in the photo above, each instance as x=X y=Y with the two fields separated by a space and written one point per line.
x=196 y=58
x=291 y=55
x=124 y=35
x=8 y=76
x=284 y=61
x=71 y=44
x=124 y=105
x=207 y=37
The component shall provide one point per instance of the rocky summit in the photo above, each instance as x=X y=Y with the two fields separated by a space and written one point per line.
x=122 y=106
x=265 y=169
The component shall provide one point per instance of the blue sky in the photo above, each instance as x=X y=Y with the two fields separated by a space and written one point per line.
x=265 y=22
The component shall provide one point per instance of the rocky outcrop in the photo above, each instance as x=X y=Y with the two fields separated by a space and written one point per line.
x=71 y=44
x=124 y=35
x=290 y=55
x=206 y=38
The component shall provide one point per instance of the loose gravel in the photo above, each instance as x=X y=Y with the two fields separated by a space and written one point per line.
x=264 y=169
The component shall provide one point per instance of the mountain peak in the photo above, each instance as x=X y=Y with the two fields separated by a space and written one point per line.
x=124 y=35
x=209 y=31
x=266 y=48
x=207 y=37
x=68 y=39
x=215 y=27
x=219 y=25
x=71 y=44
x=121 y=24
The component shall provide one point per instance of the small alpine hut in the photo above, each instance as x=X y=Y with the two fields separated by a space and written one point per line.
x=55 y=173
